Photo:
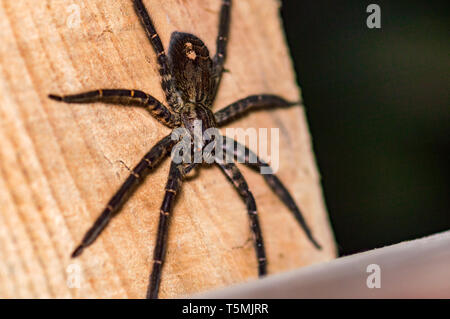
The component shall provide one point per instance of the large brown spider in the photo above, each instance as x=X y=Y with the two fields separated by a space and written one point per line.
x=190 y=79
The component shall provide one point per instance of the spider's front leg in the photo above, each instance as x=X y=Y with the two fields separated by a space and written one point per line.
x=242 y=106
x=150 y=160
x=221 y=44
x=244 y=154
x=167 y=82
x=222 y=37
x=126 y=98
x=236 y=178
x=176 y=174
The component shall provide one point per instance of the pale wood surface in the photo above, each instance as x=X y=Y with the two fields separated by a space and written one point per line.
x=60 y=163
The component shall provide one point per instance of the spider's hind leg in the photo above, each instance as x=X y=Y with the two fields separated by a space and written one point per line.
x=236 y=178
x=138 y=173
x=173 y=185
x=244 y=155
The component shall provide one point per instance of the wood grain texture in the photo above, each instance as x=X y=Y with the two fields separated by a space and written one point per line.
x=60 y=163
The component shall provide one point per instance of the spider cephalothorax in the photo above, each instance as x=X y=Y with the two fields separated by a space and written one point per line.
x=190 y=79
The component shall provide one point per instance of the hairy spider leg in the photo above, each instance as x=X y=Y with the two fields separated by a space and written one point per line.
x=274 y=183
x=167 y=83
x=149 y=161
x=236 y=178
x=127 y=98
x=172 y=187
x=222 y=41
x=244 y=105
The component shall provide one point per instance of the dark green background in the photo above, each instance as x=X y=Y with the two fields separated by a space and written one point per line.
x=378 y=107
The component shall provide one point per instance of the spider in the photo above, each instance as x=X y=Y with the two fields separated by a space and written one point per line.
x=190 y=80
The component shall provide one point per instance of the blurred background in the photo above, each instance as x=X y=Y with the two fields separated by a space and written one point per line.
x=378 y=106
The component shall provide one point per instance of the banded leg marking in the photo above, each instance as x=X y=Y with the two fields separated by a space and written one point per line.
x=124 y=97
x=167 y=82
x=274 y=183
x=244 y=105
x=172 y=187
x=234 y=175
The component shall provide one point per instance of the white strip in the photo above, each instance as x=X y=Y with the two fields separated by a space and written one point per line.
x=413 y=269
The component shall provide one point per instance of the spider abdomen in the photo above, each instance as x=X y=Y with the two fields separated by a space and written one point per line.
x=191 y=67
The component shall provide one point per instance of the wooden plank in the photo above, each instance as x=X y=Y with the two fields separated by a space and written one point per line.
x=60 y=163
